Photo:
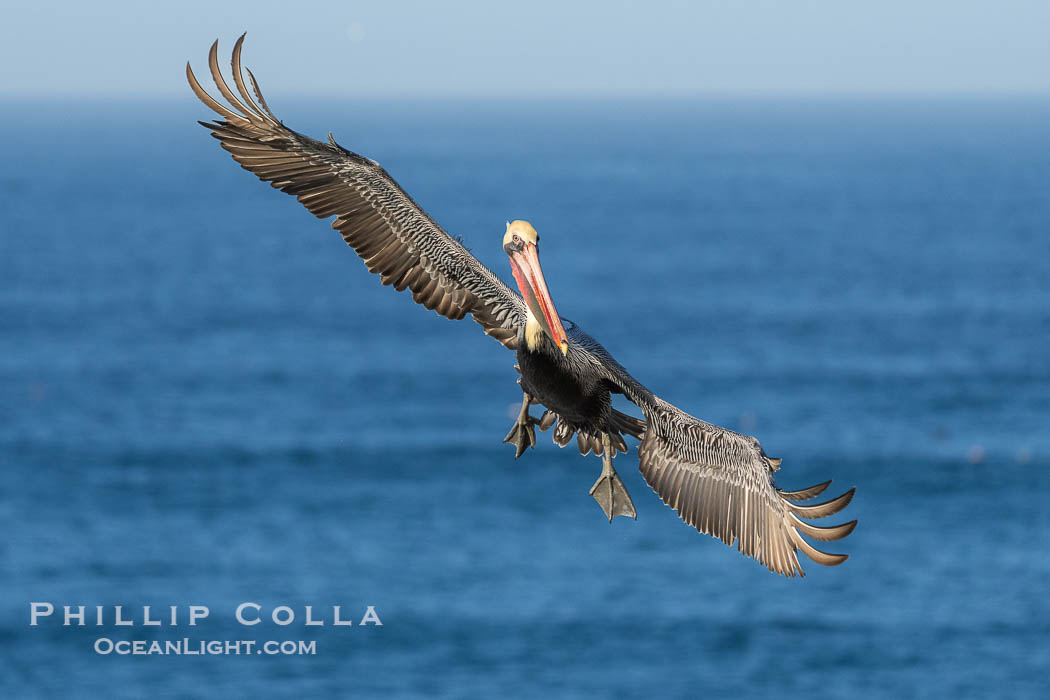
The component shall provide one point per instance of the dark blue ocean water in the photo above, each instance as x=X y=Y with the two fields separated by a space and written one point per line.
x=205 y=399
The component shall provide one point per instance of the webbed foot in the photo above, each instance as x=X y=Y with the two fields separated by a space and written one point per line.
x=523 y=433
x=609 y=491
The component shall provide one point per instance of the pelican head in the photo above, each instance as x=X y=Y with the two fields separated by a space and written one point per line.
x=521 y=244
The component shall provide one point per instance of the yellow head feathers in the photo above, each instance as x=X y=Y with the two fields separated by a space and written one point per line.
x=524 y=231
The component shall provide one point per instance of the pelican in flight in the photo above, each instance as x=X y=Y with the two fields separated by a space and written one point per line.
x=719 y=481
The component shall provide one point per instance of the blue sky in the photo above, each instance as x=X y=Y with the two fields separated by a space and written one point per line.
x=535 y=48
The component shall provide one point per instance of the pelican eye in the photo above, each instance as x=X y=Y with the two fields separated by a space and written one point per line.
x=517 y=238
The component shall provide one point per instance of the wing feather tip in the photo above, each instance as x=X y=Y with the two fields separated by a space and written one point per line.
x=824 y=534
x=818 y=556
x=822 y=510
x=238 y=78
x=806 y=493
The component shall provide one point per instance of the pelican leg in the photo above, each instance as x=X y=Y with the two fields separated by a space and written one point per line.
x=609 y=490
x=523 y=433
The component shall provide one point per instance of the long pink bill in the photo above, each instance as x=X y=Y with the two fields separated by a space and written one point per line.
x=527 y=272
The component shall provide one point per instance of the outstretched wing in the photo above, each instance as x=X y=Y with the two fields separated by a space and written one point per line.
x=721 y=482
x=391 y=233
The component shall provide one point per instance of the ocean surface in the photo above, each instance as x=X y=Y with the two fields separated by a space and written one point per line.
x=205 y=399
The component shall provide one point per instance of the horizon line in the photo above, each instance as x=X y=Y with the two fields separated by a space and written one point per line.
x=560 y=95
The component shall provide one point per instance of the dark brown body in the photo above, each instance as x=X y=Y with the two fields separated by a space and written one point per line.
x=552 y=380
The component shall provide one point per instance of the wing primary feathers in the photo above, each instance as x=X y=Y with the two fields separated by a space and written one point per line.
x=220 y=82
x=815 y=554
x=372 y=213
x=806 y=493
x=207 y=99
x=259 y=96
x=825 y=534
x=238 y=78
x=822 y=510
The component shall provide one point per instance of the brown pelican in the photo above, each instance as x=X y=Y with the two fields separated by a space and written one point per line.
x=719 y=481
